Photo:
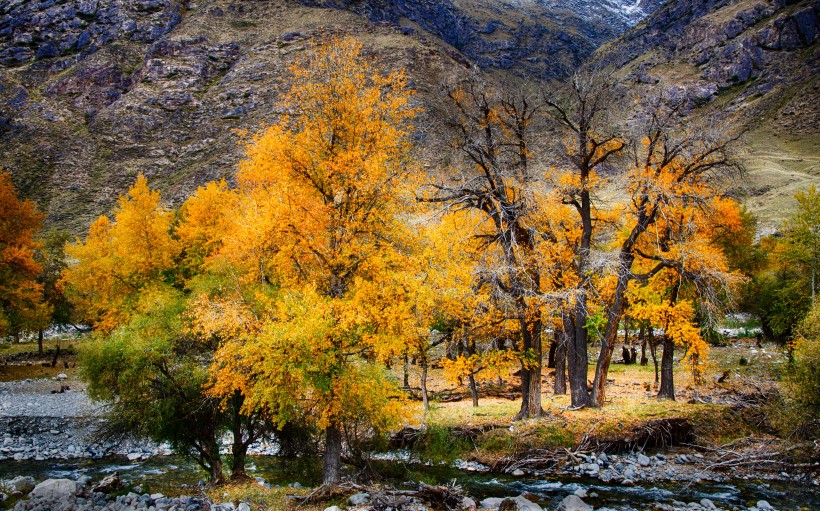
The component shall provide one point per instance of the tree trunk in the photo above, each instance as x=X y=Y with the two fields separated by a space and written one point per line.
x=667 y=382
x=406 y=372
x=473 y=390
x=333 y=455
x=653 y=350
x=531 y=370
x=611 y=333
x=577 y=355
x=56 y=355
x=240 y=444
x=424 y=398
x=560 y=386
x=217 y=477
x=40 y=342
x=642 y=335
x=551 y=355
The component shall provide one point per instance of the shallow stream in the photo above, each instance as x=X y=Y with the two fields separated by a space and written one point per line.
x=173 y=475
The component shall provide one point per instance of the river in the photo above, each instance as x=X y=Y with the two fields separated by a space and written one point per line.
x=173 y=475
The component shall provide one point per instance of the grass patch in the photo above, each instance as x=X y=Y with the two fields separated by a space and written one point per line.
x=259 y=497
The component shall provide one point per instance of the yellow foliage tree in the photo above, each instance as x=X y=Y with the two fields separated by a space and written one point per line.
x=119 y=259
x=317 y=220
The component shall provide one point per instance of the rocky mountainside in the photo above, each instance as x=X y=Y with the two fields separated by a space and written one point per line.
x=94 y=91
x=757 y=62
x=533 y=38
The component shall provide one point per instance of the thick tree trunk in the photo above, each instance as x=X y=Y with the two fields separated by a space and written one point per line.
x=424 y=398
x=577 y=355
x=667 y=380
x=40 y=342
x=217 y=477
x=553 y=348
x=531 y=370
x=333 y=455
x=473 y=390
x=560 y=386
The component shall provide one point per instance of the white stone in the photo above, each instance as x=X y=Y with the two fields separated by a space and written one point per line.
x=491 y=503
x=333 y=508
x=644 y=460
x=134 y=456
x=762 y=504
x=708 y=504
x=518 y=472
x=243 y=507
x=55 y=488
x=573 y=503
x=62 y=376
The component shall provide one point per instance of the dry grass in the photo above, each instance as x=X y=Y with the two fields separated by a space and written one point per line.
x=631 y=402
x=259 y=497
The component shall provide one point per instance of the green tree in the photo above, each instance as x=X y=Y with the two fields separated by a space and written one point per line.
x=801 y=237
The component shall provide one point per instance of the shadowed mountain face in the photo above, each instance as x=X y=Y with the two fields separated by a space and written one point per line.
x=94 y=91
x=532 y=38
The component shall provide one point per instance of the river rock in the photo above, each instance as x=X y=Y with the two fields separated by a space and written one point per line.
x=764 y=506
x=358 y=499
x=644 y=460
x=331 y=508
x=573 y=503
x=468 y=504
x=55 y=489
x=245 y=507
x=518 y=504
x=22 y=484
x=708 y=504
x=491 y=503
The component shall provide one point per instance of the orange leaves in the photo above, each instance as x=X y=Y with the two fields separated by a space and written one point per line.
x=21 y=307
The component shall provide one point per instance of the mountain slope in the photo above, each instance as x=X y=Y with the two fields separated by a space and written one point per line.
x=76 y=127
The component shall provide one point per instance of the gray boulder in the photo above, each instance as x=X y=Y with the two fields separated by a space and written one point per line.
x=518 y=504
x=55 y=489
x=573 y=503
x=22 y=484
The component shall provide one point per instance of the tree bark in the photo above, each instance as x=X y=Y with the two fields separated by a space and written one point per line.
x=333 y=455
x=560 y=386
x=239 y=449
x=531 y=370
x=553 y=348
x=217 y=477
x=577 y=356
x=667 y=379
x=406 y=372
x=473 y=390
x=653 y=350
x=424 y=398
x=642 y=336
x=40 y=342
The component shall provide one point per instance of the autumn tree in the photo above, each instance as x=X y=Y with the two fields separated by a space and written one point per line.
x=52 y=259
x=320 y=198
x=22 y=308
x=495 y=179
x=673 y=175
x=131 y=278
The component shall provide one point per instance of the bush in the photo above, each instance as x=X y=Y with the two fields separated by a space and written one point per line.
x=803 y=379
